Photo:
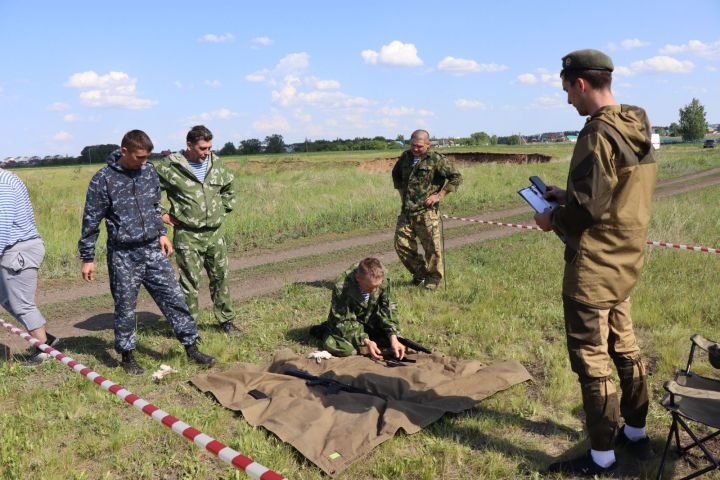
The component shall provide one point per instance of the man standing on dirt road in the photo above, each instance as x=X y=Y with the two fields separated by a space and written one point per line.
x=200 y=190
x=604 y=215
x=126 y=193
x=21 y=253
x=422 y=178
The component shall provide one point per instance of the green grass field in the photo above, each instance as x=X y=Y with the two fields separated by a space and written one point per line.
x=286 y=197
x=502 y=301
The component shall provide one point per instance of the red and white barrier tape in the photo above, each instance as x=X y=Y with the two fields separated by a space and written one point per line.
x=678 y=246
x=225 y=453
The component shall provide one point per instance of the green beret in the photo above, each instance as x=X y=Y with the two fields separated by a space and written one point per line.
x=587 y=59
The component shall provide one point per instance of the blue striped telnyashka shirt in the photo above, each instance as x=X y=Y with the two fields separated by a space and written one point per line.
x=17 y=221
x=200 y=168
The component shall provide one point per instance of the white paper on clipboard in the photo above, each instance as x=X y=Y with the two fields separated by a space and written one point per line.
x=533 y=196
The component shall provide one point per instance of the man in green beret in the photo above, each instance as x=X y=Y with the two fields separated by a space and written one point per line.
x=604 y=214
x=360 y=320
x=422 y=178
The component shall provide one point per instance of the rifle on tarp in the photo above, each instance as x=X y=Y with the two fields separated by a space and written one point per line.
x=332 y=386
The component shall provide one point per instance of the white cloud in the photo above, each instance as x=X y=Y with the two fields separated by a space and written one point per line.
x=631 y=43
x=611 y=46
x=220 y=114
x=396 y=53
x=710 y=68
x=548 y=101
x=527 y=79
x=623 y=71
x=709 y=51
x=261 y=41
x=116 y=89
x=71 y=117
x=259 y=76
x=324 y=99
x=322 y=84
x=662 y=63
x=461 y=66
x=213 y=83
x=405 y=111
x=302 y=116
x=292 y=63
x=274 y=123
x=465 y=103
x=178 y=84
x=213 y=38
x=62 y=136
x=58 y=107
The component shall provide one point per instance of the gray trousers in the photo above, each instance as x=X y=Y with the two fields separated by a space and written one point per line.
x=18 y=281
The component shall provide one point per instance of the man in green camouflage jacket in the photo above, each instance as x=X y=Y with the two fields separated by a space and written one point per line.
x=200 y=190
x=422 y=178
x=360 y=319
x=604 y=215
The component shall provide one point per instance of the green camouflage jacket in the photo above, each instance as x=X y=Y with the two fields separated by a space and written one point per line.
x=349 y=313
x=609 y=195
x=416 y=183
x=194 y=204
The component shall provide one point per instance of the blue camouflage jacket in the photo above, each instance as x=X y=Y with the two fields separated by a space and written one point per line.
x=128 y=200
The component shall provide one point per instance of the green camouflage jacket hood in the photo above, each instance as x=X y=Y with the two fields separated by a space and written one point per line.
x=195 y=204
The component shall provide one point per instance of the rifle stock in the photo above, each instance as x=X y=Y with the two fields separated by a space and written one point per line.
x=332 y=386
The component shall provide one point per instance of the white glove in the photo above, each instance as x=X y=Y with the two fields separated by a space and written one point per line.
x=320 y=355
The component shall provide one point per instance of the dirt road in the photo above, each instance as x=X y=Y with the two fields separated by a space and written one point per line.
x=69 y=317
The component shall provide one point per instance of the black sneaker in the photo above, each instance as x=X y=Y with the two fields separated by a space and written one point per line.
x=130 y=365
x=583 y=466
x=198 y=357
x=230 y=328
x=39 y=356
x=640 y=449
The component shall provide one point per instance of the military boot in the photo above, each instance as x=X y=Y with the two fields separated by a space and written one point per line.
x=197 y=356
x=129 y=363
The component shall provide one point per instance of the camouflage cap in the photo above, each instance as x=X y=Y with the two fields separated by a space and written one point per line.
x=587 y=59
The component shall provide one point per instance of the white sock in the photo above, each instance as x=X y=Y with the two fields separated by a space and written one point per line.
x=604 y=458
x=633 y=433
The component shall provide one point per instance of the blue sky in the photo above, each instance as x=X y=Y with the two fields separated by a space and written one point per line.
x=78 y=73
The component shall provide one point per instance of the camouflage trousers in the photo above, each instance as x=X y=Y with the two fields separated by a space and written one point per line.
x=146 y=265
x=424 y=227
x=594 y=337
x=341 y=346
x=198 y=249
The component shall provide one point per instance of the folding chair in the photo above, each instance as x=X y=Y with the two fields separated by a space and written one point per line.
x=691 y=397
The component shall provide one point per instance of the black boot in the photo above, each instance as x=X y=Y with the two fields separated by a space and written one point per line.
x=230 y=328
x=129 y=363
x=38 y=356
x=197 y=356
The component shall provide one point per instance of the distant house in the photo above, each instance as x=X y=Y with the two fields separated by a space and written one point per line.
x=572 y=138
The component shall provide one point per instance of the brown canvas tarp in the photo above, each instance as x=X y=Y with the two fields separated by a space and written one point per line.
x=335 y=430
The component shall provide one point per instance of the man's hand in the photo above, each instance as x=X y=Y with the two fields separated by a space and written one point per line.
x=543 y=220
x=373 y=349
x=397 y=347
x=435 y=198
x=169 y=220
x=165 y=246
x=88 y=271
x=557 y=194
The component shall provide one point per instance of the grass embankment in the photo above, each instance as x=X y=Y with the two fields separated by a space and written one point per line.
x=283 y=198
x=502 y=301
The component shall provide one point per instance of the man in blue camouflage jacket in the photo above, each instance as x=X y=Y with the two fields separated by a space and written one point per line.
x=126 y=193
